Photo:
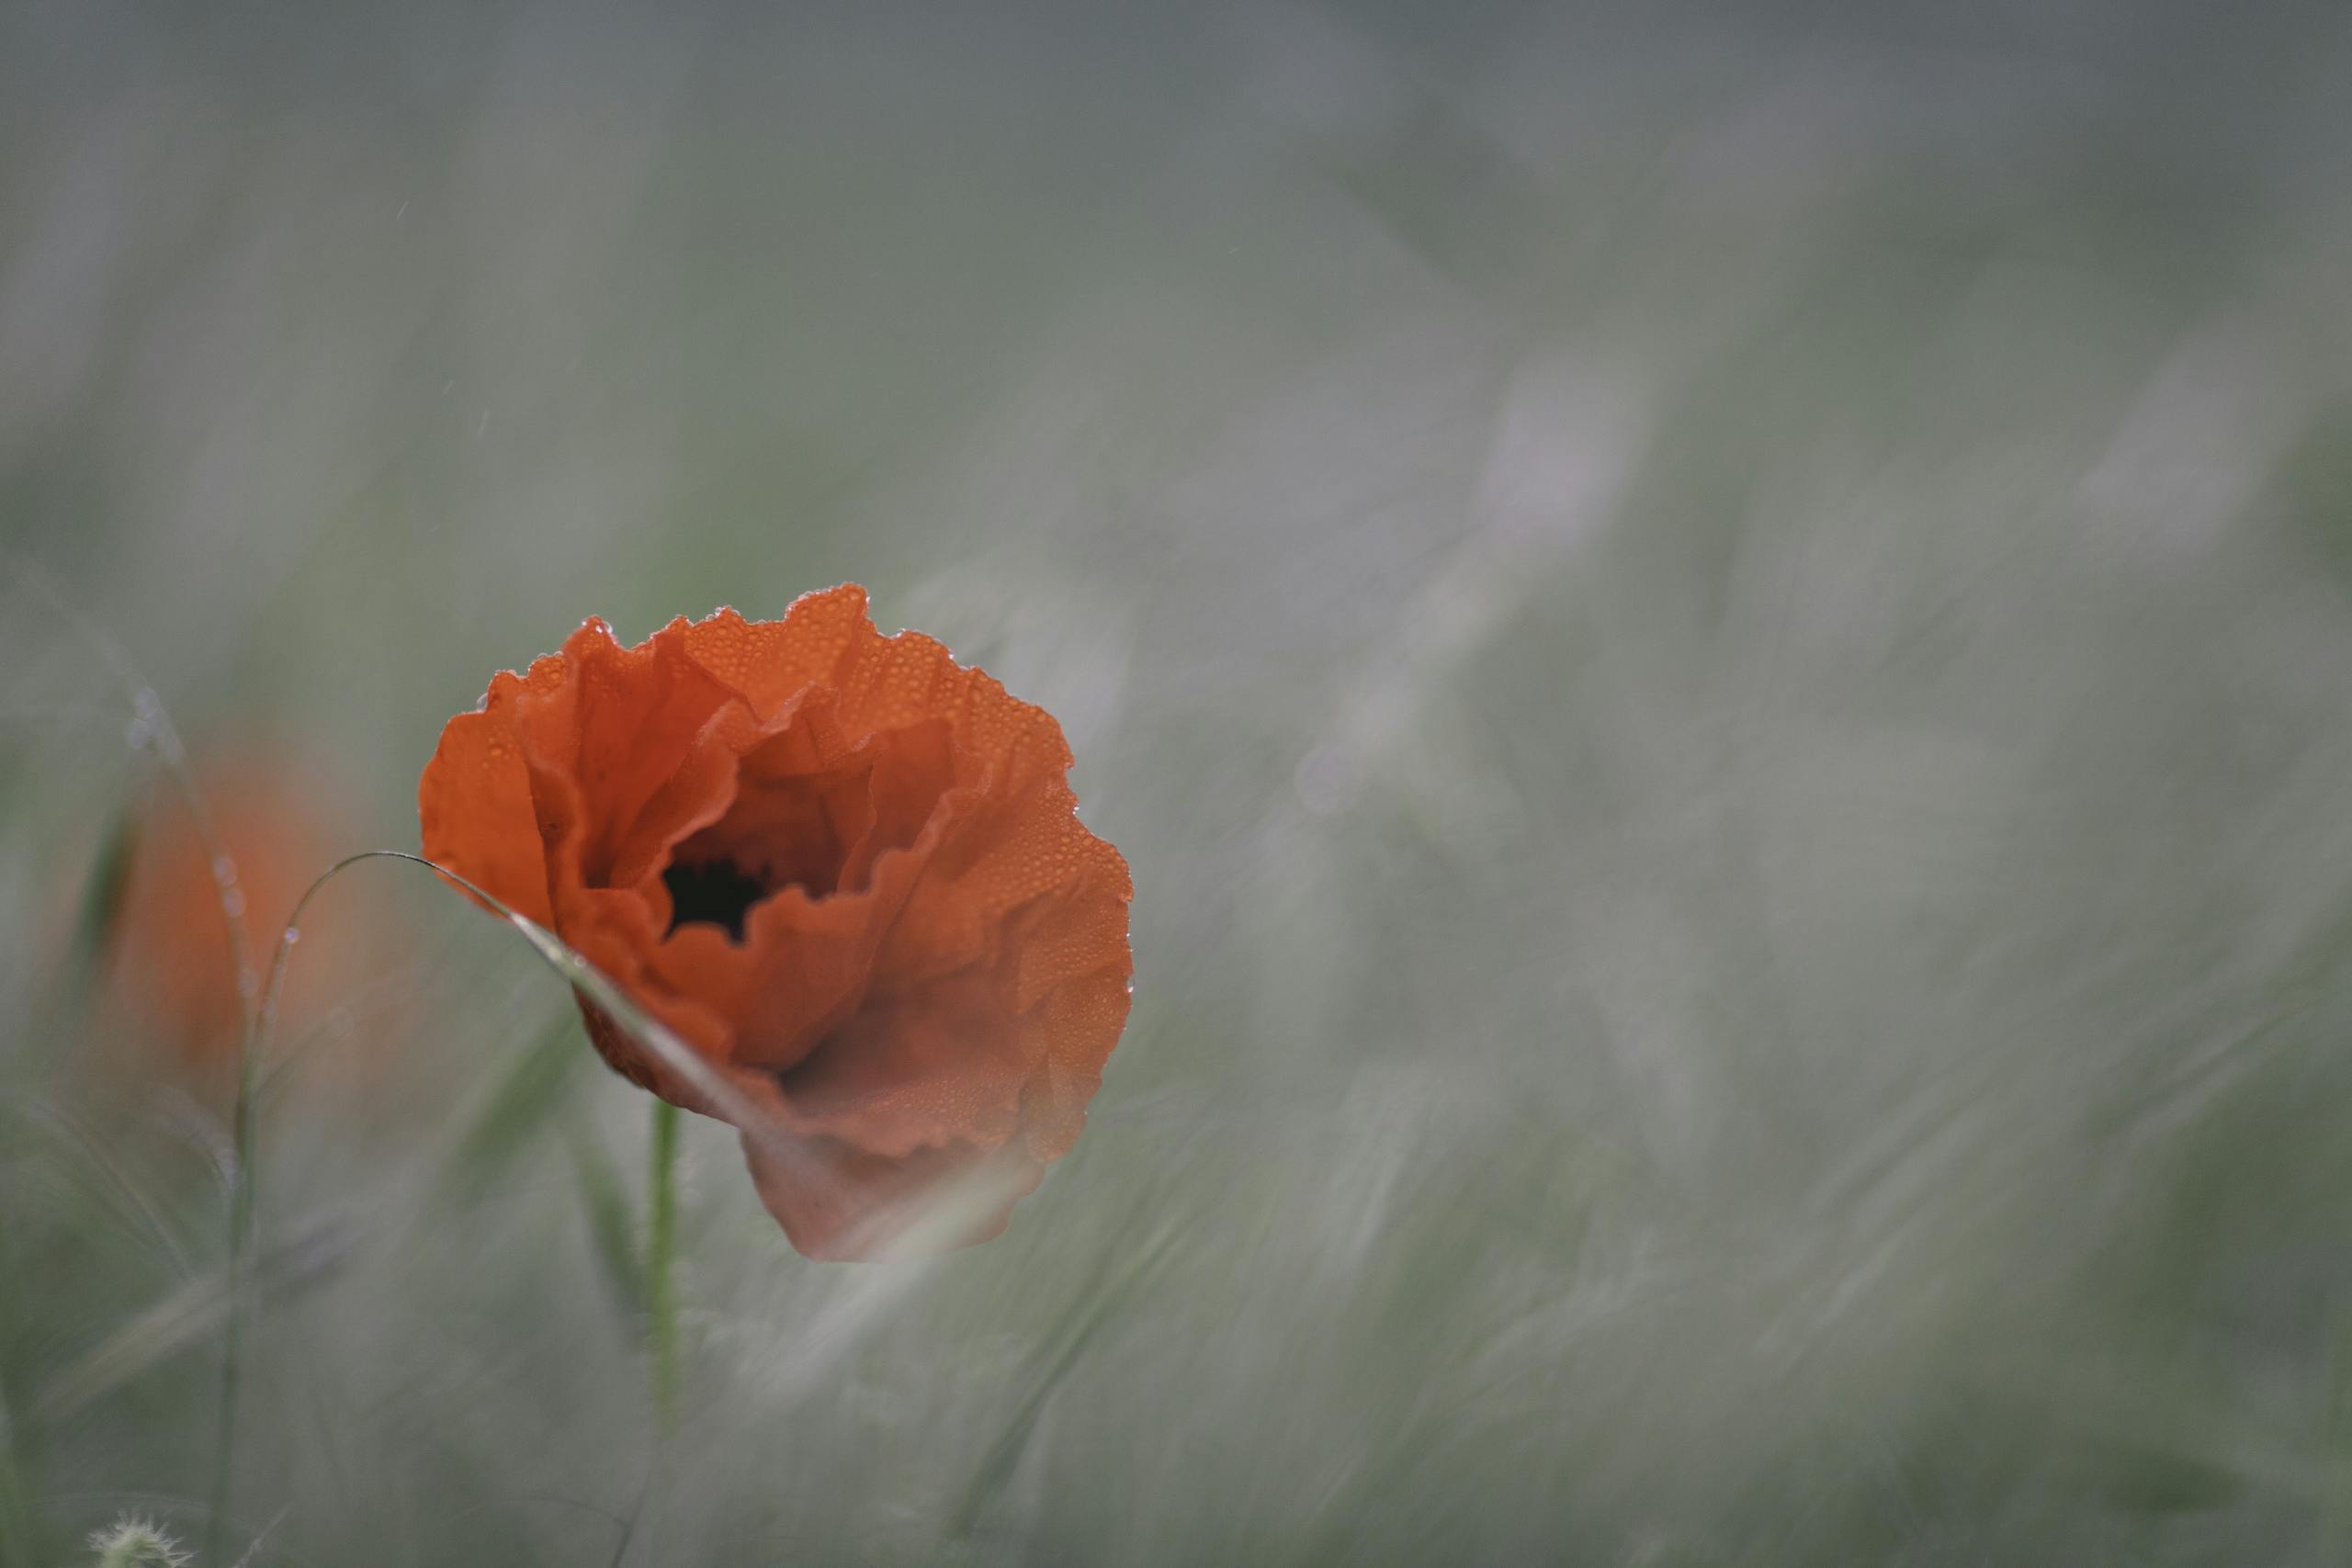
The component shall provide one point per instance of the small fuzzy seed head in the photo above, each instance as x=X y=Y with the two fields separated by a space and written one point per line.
x=134 y=1542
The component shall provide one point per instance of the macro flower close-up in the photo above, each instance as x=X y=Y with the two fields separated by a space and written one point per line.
x=845 y=870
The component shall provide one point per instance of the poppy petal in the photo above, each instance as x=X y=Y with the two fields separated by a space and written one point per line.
x=475 y=807
x=841 y=867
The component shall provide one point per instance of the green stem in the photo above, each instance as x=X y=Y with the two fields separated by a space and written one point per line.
x=241 y=1229
x=661 y=1291
x=261 y=1005
x=663 y=1328
x=150 y=727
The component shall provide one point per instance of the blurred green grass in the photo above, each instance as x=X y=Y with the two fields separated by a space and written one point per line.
x=1718 y=637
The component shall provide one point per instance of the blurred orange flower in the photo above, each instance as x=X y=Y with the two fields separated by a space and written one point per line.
x=172 y=961
x=845 y=870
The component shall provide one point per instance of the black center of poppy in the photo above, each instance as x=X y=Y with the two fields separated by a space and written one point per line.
x=715 y=892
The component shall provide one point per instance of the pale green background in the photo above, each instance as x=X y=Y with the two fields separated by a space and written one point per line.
x=1719 y=637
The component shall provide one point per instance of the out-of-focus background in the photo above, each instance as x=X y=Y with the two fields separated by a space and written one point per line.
x=1721 y=637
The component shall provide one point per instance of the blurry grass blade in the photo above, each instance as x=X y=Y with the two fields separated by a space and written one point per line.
x=2335 y=1506
x=526 y=1099
x=95 y=920
x=102 y=894
x=609 y=1225
x=21 y=1530
x=1444 y=187
x=1115 y=1286
x=179 y=1320
x=113 y=1189
x=185 y=1317
x=260 y=1540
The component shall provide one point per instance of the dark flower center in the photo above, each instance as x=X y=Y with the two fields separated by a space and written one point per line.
x=801 y=819
x=717 y=892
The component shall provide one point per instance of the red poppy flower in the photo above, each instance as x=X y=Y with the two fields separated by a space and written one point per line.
x=845 y=870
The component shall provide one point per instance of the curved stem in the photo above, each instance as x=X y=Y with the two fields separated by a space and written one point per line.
x=657 y=1038
x=244 y=1188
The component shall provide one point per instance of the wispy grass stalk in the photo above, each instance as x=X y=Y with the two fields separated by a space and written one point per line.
x=150 y=727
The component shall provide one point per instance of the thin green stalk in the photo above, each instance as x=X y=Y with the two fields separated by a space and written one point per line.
x=661 y=1283
x=588 y=980
x=245 y=1187
x=150 y=727
x=241 y=1228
